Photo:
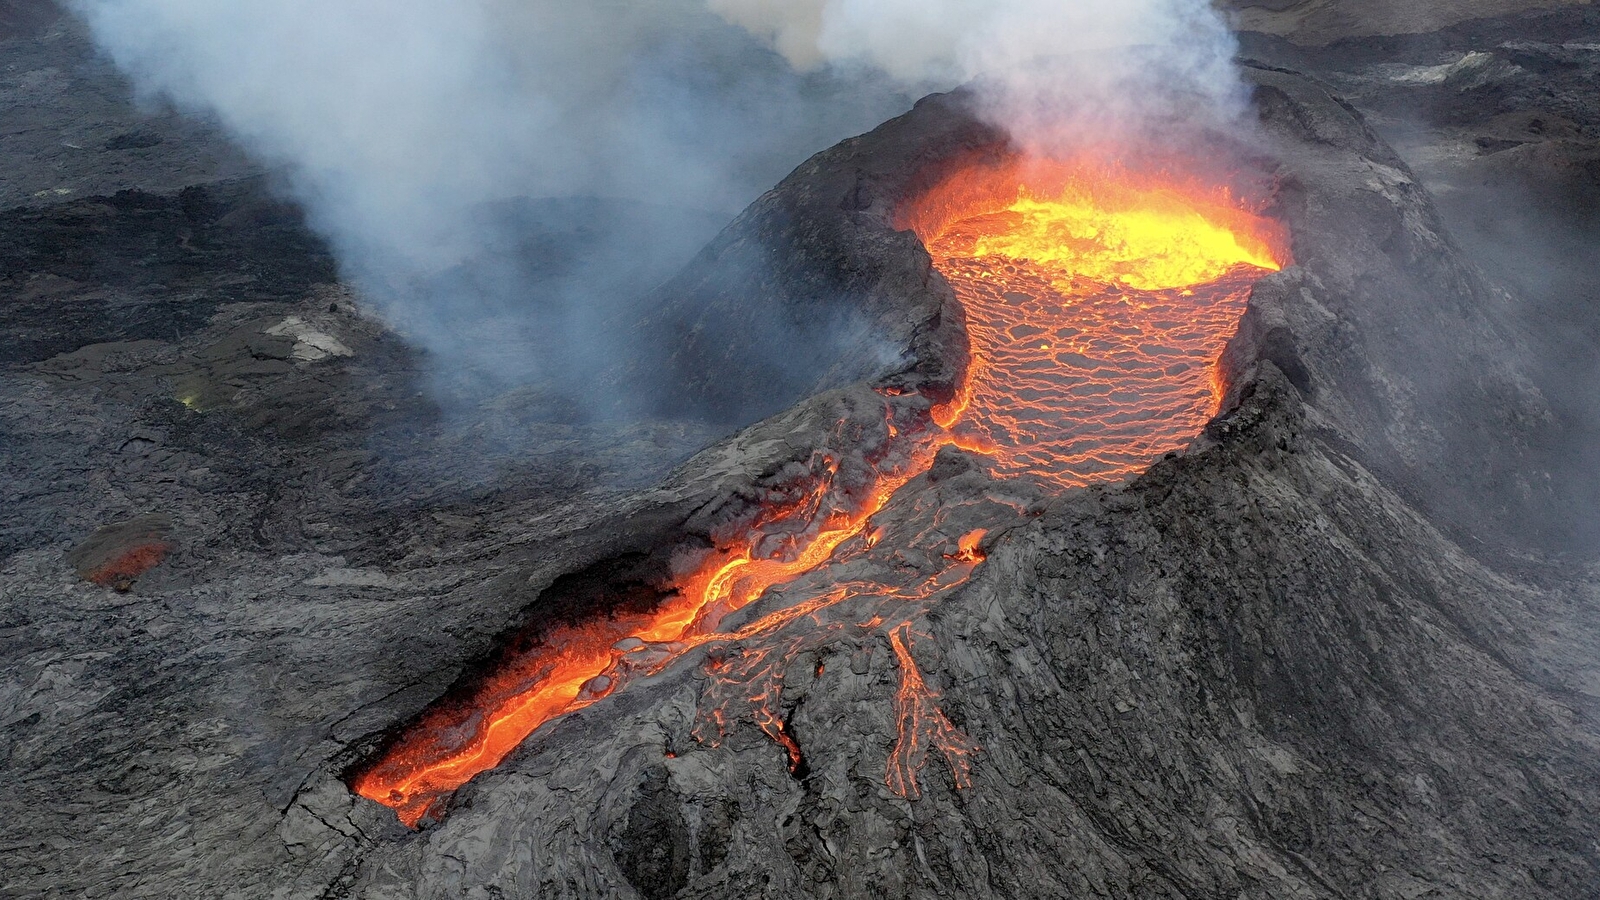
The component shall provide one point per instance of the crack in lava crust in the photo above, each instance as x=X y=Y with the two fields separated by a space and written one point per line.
x=921 y=724
x=1097 y=306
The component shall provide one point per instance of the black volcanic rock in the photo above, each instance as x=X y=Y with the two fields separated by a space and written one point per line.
x=1498 y=119
x=1267 y=668
x=812 y=288
x=25 y=18
x=138 y=265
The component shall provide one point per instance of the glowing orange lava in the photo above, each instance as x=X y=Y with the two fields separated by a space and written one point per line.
x=578 y=665
x=1097 y=308
x=1097 y=305
x=922 y=724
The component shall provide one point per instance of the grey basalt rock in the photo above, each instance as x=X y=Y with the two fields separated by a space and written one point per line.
x=814 y=278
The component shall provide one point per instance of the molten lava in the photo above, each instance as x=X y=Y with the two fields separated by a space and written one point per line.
x=578 y=665
x=1097 y=304
x=921 y=723
x=1097 y=310
x=1115 y=234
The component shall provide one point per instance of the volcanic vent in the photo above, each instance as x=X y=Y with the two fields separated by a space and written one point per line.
x=1097 y=299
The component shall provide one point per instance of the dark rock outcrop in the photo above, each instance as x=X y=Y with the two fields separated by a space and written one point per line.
x=812 y=288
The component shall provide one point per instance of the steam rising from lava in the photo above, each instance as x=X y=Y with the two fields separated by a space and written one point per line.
x=408 y=127
x=398 y=124
x=1049 y=69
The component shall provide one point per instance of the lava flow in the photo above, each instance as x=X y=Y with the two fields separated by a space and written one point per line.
x=1097 y=304
x=577 y=665
x=921 y=723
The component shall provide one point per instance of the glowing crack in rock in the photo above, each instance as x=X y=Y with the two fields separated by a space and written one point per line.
x=921 y=724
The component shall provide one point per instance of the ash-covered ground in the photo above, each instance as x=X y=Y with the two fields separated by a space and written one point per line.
x=1347 y=646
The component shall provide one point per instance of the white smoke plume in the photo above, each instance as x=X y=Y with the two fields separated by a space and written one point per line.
x=405 y=127
x=1044 y=65
x=400 y=124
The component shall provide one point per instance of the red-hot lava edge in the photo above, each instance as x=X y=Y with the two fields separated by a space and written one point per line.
x=1082 y=371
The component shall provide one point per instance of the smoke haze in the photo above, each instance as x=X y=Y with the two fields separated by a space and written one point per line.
x=1047 y=69
x=419 y=134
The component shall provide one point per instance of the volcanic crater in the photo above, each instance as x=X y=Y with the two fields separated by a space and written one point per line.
x=925 y=606
x=1083 y=561
x=1096 y=301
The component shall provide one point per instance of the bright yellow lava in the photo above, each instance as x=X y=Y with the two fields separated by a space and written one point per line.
x=1144 y=239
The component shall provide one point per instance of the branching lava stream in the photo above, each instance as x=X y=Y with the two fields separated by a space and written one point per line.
x=1097 y=304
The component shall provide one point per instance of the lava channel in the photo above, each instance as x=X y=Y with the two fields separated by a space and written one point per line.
x=1097 y=303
